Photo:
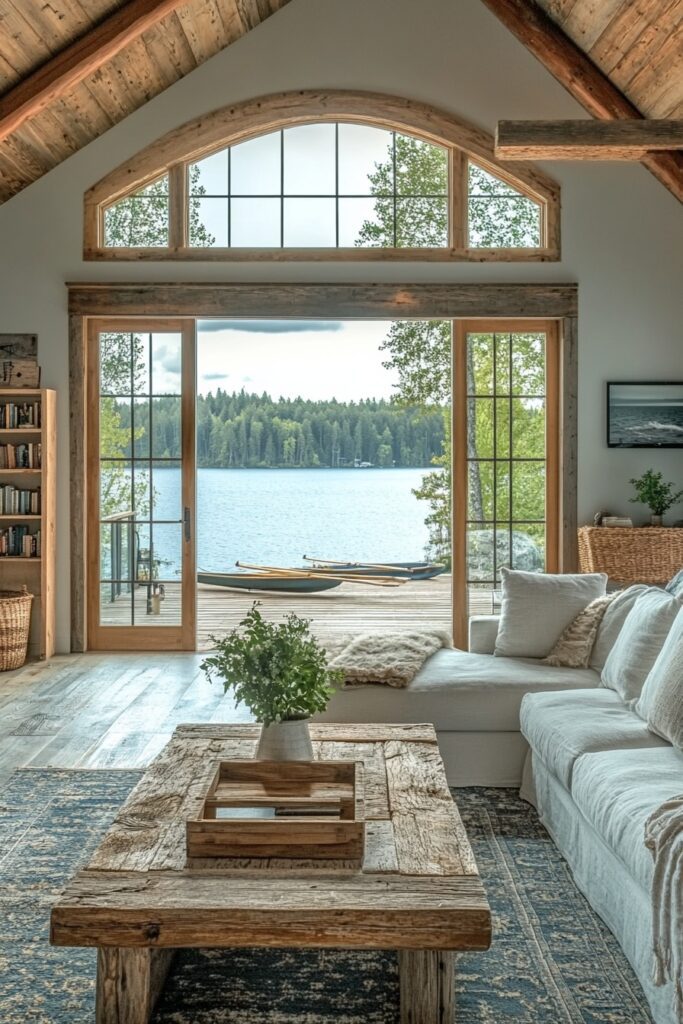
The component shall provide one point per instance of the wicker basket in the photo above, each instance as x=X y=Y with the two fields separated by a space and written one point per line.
x=15 y=620
x=632 y=555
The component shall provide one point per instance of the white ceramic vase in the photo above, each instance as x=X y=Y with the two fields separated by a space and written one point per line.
x=285 y=741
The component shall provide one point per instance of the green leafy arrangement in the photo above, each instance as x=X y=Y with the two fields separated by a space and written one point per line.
x=279 y=670
x=653 y=492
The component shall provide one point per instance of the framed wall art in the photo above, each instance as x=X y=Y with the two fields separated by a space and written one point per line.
x=645 y=414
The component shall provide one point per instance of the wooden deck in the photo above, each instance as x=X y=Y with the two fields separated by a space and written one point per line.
x=349 y=609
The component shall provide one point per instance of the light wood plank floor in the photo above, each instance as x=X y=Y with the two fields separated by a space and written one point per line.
x=105 y=710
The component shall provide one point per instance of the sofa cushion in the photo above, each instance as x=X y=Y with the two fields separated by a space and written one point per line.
x=641 y=639
x=459 y=692
x=560 y=727
x=612 y=622
x=537 y=607
x=617 y=790
x=661 y=700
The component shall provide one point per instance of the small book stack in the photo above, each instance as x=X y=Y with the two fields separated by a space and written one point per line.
x=15 y=416
x=20 y=456
x=19 y=502
x=623 y=521
x=17 y=542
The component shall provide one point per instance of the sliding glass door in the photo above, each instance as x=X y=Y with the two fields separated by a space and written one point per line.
x=141 y=484
x=506 y=455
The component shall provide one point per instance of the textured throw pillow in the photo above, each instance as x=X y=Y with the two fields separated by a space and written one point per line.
x=640 y=641
x=573 y=649
x=537 y=607
x=675 y=585
x=611 y=625
x=661 y=702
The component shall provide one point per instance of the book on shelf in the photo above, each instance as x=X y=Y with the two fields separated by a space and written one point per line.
x=19 y=501
x=20 y=456
x=622 y=521
x=19 y=542
x=20 y=415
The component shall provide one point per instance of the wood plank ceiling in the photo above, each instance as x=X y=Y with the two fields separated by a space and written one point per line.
x=638 y=44
x=32 y=32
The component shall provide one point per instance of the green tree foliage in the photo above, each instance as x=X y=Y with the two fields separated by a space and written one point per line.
x=411 y=190
x=256 y=431
x=141 y=220
x=420 y=351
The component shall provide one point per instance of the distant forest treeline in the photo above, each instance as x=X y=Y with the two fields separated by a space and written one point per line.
x=242 y=430
x=239 y=430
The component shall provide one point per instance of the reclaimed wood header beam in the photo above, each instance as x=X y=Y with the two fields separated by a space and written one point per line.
x=79 y=59
x=581 y=78
x=363 y=301
x=585 y=140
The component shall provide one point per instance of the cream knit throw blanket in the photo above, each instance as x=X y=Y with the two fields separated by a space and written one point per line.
x=391 y=659
x=664 y=838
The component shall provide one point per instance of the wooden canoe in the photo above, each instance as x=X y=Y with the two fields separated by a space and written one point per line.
x=267 y=581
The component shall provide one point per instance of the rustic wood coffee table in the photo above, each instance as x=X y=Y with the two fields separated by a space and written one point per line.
x=418 y=892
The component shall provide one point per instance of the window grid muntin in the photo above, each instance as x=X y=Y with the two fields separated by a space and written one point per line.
x=394 y=196
x=510 y=460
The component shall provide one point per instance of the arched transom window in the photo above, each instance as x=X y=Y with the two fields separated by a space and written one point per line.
x=332 y=188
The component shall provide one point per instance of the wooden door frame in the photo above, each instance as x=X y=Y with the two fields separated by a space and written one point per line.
x=554 y=547
x=369 y=301
x=134 y=637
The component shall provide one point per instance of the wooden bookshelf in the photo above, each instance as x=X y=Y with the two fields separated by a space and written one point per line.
x=37 y=573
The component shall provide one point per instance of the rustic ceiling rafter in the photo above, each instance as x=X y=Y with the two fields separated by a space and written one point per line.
x=586 y=140
x=569 y=64
x=74 y=69
x=79 y=59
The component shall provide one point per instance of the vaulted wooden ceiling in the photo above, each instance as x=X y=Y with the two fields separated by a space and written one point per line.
x=71 y=69
x=638 y=44
x=151 y=44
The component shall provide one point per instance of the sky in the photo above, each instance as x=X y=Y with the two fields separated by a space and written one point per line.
x=314 y=359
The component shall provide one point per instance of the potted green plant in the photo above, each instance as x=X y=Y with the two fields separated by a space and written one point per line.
x=279 y=671
x=657 y=495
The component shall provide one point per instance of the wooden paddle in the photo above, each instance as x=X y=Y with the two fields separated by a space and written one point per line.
x=365 y=565
x=371 y=581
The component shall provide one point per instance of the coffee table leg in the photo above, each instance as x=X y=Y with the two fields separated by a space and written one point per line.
x=427 y=980
x=129 y=982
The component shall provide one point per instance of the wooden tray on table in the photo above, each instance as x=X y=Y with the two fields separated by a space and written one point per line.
x=297 y=809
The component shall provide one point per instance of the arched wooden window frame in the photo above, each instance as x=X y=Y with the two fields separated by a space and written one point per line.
x=237 y=123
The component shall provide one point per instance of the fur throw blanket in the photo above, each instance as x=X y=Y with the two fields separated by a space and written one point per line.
x=664 y=838
x=391 y=659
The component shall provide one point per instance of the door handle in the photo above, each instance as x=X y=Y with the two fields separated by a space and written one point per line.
x=187 y=522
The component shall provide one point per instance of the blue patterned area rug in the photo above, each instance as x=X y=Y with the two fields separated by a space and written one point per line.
x=552 y=960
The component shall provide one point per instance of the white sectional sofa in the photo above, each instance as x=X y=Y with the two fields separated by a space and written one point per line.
x=589 y=762
x=472 y=698
x=595 y=774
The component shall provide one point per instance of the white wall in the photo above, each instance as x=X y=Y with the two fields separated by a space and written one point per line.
x=621 y=228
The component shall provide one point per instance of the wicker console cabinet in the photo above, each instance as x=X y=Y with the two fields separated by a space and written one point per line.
x=631 y=555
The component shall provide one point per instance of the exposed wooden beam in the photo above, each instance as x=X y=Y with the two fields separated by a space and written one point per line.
x=585 y=140
x=581 y=78
x=79 y=59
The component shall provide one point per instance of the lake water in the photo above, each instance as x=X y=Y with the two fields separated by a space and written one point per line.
x=274 y=516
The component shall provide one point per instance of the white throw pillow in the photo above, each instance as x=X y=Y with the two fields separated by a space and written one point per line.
x=611 y=625
x=661 y=702
x=639 y=643
x=538 y=607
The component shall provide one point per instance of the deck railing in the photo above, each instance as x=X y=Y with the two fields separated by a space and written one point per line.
x=117 y=546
